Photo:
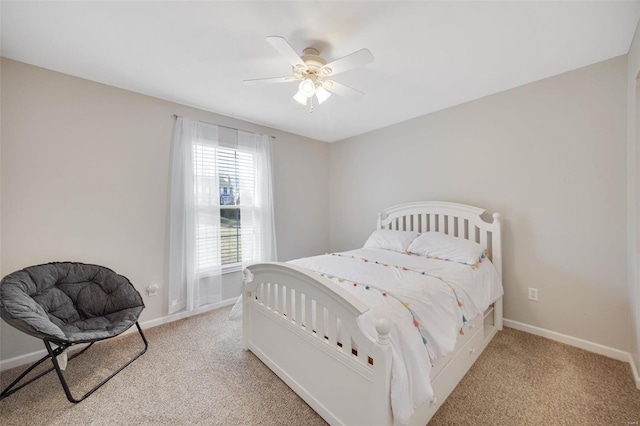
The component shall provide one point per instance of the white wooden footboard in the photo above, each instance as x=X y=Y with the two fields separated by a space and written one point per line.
x=291 y=321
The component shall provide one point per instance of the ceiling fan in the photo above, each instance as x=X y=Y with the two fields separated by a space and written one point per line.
x=313 y=72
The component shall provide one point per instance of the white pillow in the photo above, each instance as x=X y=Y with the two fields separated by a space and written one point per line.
x=391 y=240
x=446 y=247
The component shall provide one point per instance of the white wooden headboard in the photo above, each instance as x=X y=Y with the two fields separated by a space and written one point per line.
x=458 y=220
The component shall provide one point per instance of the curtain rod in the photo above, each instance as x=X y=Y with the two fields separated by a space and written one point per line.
x=219 y=125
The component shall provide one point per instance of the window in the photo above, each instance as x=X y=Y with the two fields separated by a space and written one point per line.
x=224 y=181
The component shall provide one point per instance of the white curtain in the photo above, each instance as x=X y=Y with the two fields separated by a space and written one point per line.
x=259 y=243
x=195 y=263
x=194 y=183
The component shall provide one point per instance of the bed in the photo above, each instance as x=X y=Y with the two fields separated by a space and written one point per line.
x=341 y=365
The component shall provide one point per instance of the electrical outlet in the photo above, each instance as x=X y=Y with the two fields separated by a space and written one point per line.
x=152 y=290
x=533 y=294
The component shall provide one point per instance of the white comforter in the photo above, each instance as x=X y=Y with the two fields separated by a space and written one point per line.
x=421 y=298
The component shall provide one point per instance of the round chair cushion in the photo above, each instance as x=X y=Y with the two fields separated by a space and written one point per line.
x=69 y=302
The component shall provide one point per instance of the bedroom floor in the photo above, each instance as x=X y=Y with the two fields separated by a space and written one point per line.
x=522 y=379
x=196 y=373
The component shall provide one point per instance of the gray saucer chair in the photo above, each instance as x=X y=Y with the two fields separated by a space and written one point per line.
x=65 y=304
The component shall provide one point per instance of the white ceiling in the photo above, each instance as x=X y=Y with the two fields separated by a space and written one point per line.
x=429 y=55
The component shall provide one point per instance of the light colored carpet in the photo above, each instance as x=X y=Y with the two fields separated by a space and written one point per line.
x=196 y=373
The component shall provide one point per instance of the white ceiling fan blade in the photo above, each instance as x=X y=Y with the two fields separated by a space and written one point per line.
x=268 y=80
x=342 y=90
x=346 y=63
x=285 y=49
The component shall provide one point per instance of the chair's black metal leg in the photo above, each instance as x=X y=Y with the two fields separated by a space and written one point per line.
x=64 y=382
x=58 y=370
x=8 y=390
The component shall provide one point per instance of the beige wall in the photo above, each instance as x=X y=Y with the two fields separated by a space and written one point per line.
x=633 y=180
x=85 y=172
x=551 y=157
x=84 y=176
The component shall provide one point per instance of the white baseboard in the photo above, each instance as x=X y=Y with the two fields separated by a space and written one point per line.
x=634 y=369
x=182 y=315
x=569 y=340
x=578 y=343
x=34 y=356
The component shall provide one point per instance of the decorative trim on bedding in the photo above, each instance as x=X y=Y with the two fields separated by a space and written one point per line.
x=386 y=293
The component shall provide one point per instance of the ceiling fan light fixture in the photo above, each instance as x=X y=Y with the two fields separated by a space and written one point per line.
x=322 y=94
x=300 y=98
x=307 y=88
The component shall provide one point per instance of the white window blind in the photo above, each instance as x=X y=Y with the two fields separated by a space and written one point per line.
x=225 y=181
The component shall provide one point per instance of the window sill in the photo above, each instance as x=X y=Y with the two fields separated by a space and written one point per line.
x=229 y=269
x=223 y=270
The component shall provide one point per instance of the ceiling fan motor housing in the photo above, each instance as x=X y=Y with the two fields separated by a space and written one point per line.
x=314 y=65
